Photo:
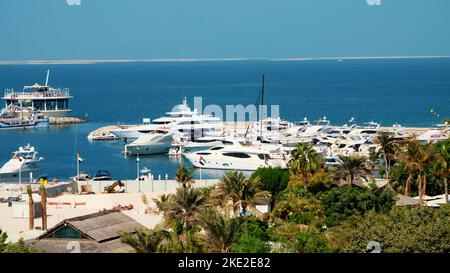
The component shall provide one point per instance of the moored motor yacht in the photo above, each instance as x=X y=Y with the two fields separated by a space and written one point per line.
x=156 y=142
x=22 y=166
x=181 y=119
x=233 y=157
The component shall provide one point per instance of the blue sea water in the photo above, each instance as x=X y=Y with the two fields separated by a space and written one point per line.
x=386 y=91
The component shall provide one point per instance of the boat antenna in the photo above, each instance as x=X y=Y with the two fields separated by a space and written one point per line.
x=258 y=102
x=261 y=108
x=46 y=79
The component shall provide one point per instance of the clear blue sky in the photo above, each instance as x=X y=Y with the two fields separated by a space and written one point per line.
x=119 y=29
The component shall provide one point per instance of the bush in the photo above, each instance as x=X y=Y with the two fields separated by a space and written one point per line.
x=17 y=247
x=291 y=237
x=252 y=238
x=342 y=202
x=403 y=230
x=274 y=180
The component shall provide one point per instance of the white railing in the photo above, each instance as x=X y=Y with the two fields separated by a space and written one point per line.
x=11 y=93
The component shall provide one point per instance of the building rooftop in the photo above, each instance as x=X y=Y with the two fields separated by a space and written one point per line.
x=96 y=232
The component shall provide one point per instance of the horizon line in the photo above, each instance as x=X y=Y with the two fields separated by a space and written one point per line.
x=96 y=61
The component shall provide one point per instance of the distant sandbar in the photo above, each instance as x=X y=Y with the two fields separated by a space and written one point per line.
x=54 y=62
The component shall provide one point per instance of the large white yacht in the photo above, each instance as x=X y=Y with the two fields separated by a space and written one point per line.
x=23 y=162
x=181 y=119
x=233 y=157
x=155 y=142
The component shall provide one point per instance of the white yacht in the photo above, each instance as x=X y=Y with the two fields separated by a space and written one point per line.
x=181 y=119
x=434 y=135
x=233 y=157
x=155 y=142
x=202 y=143
x=306 y=133
x=23 y=162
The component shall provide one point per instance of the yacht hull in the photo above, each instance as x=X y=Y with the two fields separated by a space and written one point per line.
x=25 y=176
x=148 y=149
x=41 y=124
x=242 y=165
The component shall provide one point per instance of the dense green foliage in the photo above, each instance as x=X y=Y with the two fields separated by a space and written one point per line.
x=435 y=183
x=314 y=209
x=417 y=229
x=252 y=238
x=272 y=179
x=342 y=202
x=17 y=247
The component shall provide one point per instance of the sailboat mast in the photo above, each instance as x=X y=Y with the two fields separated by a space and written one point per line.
x=261 y=108
x=46 y=79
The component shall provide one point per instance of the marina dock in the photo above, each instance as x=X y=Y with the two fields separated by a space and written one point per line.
x=104 y=133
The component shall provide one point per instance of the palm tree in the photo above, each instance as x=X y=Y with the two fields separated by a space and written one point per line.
x=442 y=166
x=352 y=167
x=387 y=144
x=305 y=161
x=416 y=157
x=144 y=241
x=235 y=186
x=228 y=188
x=373 y=158
x=44 y=206
x=220 y=231
x=185 y=206
x=184 y=176
x=30 y=207
x=162 y=202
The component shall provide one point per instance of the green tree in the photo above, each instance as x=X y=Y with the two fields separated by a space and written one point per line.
x=17 y=247
x=388 y=148
x=305 y=161
x=185 y=206
x=184 y=176
x=272 y=179
x=342 y=202
x=235 y=186
x=220 y=231
x=294 y=238
x=252 y=237
x=297 y=205
x=144 y=240
x=442 y=165
x=402 y=230
x=352 y=167
x=416 y=158
x=163 y=202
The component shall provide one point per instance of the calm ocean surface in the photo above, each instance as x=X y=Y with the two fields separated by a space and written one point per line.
x=385 y=91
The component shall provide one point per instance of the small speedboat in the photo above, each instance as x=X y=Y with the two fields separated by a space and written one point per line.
x=102 y=175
